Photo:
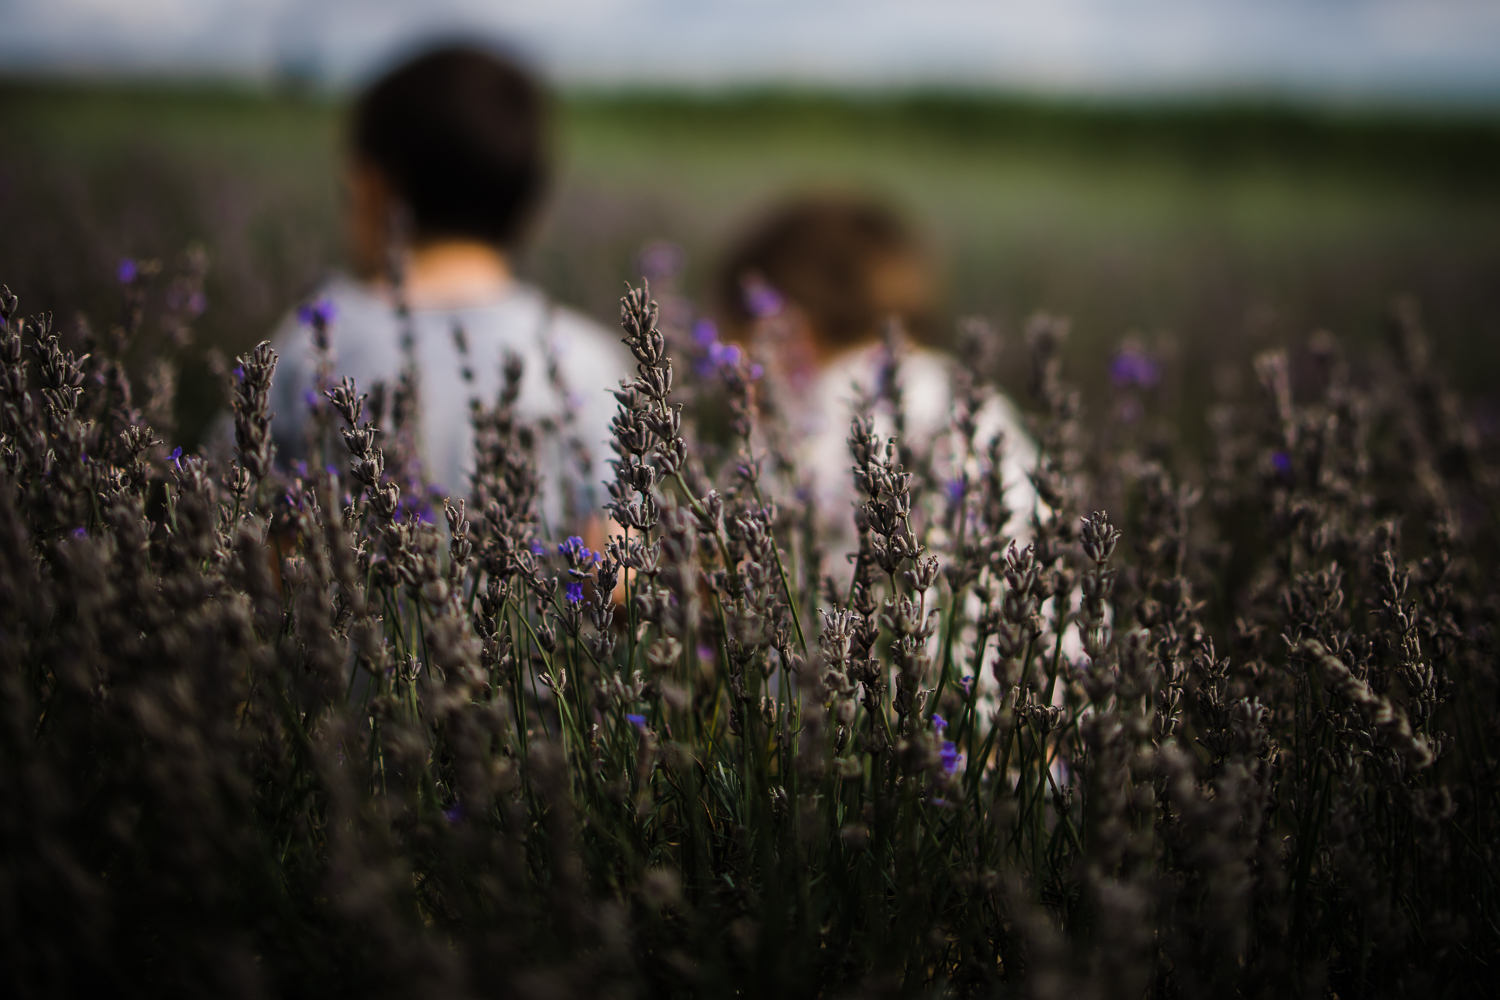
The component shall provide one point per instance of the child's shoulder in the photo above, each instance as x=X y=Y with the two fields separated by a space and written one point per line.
x=569 y=328
x=359 y=320
x=582 y=346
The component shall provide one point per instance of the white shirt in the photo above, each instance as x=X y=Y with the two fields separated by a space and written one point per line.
x=821 y=417
x=365 y=342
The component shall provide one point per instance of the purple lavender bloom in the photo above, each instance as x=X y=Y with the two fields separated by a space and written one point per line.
x=311 y=399
x=577 y=553
x=300 y=468
x=1133 y=366
x=706 y=654
x=725 y=355
x=80 y=533
x=955 y=490
x=717 y=354
x=706 y=336
x=761 y=300
x=1282 y=463
x=318 y=314
x=538 y=549
x=127 y=272
x=417 y=506
x=575 y=593
x=950 y=758
x=239 y=373
x=638 y=721
x=939 y=723
x=425 y=515
x=176 y=457
x=454 y=814
x=967 y=683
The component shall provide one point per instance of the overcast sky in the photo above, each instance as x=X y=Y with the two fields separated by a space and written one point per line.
x=1415 y=48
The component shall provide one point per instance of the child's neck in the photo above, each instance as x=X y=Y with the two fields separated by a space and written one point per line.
x=452 y=273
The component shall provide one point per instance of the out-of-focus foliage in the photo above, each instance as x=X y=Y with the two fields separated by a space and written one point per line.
x=274 y=733
x=1214 y=231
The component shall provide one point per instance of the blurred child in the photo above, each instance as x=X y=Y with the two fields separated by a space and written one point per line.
x=447 y=163
x=809 y=291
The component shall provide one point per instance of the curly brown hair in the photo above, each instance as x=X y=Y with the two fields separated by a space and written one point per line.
x=847 y=263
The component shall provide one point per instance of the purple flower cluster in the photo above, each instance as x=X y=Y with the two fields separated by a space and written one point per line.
x=1133 y=366
x=718 y=355
x=191 y=302
x=417 y=505
x=577 y=553
x=950 y=758
x=319 y=314
x=762 y=301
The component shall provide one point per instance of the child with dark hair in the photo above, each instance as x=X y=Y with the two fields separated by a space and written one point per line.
x=809 y=290
x=447 y=164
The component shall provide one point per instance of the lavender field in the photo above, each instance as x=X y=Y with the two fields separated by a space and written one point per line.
x=1211 y=714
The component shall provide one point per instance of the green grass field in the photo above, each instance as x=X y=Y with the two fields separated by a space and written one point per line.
x=1211 y=230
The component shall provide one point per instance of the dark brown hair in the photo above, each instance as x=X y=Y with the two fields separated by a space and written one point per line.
x=846 y=263
x=460 y=134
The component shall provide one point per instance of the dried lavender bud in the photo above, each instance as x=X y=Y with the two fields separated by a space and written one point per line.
x=1099 y=538
x=638 y=316
x=348 y=403
x=252 y=416
x=387 y=499
x=1389 y=722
